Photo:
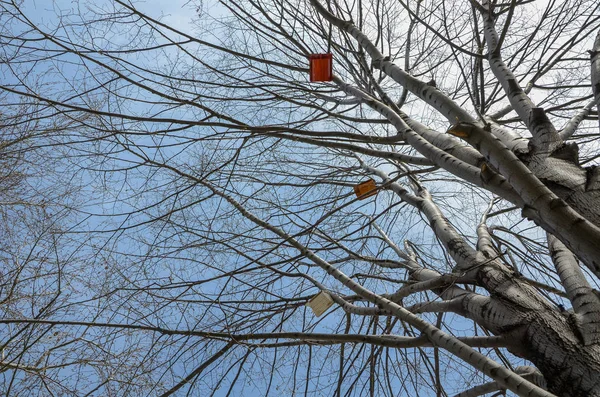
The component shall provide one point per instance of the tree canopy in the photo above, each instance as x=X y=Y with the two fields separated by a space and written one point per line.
x=177 y=196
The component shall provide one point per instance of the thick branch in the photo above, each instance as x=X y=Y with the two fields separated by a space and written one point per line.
x=437 y=156
x=585 y=300
x=484 y=239
x=431 y=95
x=574 y=122
x=439 y=338
x=544 y=135
x=540 y=203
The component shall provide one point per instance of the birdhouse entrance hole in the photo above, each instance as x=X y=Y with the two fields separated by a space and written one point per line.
x=321 y=67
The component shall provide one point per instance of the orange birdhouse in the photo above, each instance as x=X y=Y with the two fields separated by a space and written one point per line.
x=365 y=189
x=321 y=67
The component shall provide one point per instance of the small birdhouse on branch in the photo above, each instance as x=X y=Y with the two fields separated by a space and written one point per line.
x=320 y=303
x=320 y=67
x=365 y=189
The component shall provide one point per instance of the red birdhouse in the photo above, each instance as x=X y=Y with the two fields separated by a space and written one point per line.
x=365 y=189
x=321 y=67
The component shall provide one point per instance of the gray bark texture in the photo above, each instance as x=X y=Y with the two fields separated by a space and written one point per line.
x=182 y=203
x=546 y=180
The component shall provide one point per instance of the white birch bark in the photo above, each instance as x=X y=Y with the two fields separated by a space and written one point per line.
x=585 y=300
x=544 y=135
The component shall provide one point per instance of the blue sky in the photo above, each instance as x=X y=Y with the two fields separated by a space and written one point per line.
x=178 y=14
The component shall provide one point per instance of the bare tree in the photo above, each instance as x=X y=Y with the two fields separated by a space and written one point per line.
x=217 y=199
